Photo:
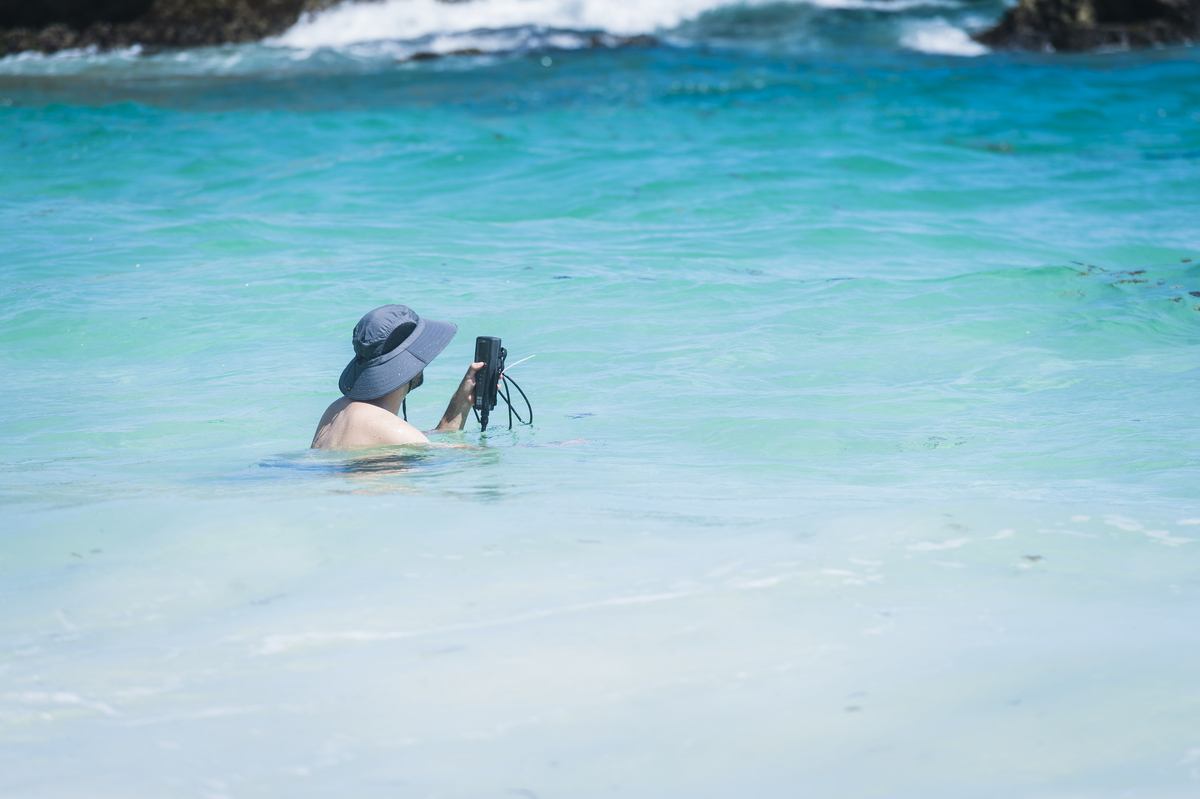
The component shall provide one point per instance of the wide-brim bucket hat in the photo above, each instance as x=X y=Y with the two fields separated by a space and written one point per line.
x=392 y=345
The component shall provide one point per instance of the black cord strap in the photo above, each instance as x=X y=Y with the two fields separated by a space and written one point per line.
x=503 y=393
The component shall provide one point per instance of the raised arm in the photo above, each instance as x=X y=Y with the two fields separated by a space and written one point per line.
x=460 y=404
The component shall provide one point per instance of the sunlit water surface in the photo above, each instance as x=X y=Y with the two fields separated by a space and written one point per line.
x=864 y=461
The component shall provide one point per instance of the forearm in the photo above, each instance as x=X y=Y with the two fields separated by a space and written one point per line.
x=454 y=419
x=460 y=404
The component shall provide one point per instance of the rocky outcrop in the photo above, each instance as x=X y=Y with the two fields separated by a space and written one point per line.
x=61 y=24
x=80 y=13
x=1050 y=25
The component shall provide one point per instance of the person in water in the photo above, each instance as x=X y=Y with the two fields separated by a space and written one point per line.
x=392 y=347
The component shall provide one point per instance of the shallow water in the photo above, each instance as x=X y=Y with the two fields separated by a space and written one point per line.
x=863 y=461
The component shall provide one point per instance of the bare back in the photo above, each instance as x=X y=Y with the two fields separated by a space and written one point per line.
x=349 y=424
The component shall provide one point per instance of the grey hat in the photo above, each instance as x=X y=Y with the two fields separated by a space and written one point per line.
x=392 y=345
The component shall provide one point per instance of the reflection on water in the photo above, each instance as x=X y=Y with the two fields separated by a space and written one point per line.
x=384 y=463
x=381 y=469
x=377 y=460
x=380 y=472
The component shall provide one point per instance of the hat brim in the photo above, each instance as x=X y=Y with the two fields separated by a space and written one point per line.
x=378 y=377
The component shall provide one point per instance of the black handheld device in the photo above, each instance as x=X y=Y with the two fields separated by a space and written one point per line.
x=487 y=379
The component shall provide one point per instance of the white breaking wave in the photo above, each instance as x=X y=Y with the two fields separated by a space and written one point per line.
x=353 y=23
x=356 y=33
x=940 y=37
x=406 y=20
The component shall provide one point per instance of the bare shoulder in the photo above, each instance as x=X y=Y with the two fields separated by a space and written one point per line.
x=348 y=424
x=381 y=427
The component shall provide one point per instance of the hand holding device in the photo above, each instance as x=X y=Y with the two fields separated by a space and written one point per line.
x=487 y=379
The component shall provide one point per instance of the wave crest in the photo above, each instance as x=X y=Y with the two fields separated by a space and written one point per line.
x=935 y=25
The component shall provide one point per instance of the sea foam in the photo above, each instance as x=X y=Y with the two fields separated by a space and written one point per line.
x=940 y=37
x=355 y=23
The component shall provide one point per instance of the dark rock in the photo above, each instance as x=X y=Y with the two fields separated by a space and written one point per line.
x=61 y=24
x=1050 y=25
x=76 y=13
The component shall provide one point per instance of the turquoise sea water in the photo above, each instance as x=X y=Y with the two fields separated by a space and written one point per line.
x=864 y=461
